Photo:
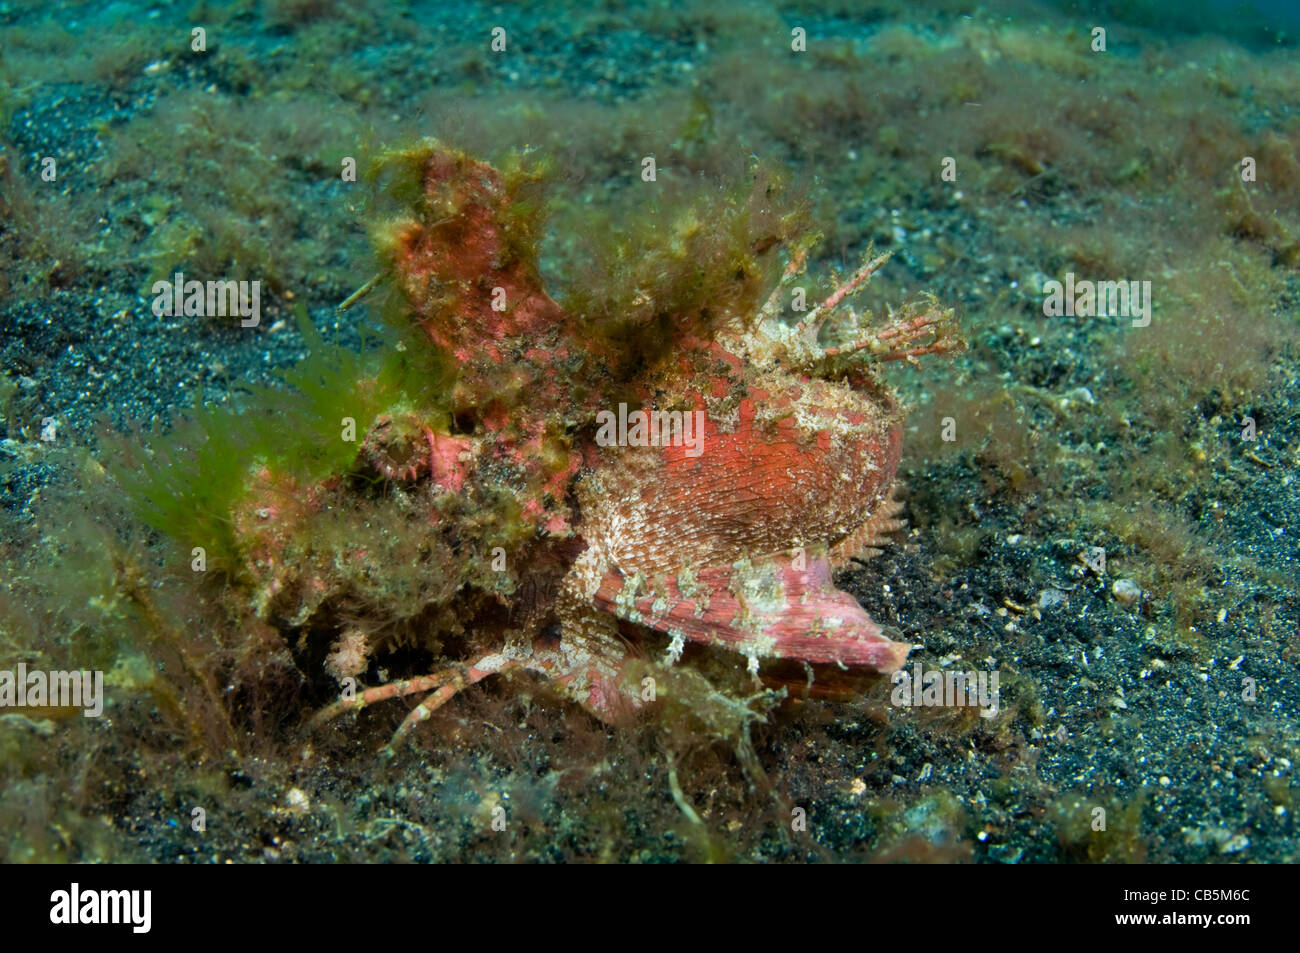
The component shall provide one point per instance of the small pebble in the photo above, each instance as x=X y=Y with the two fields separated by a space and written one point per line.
x=1126 y=591
x=1050 y=597
x=1236 y=844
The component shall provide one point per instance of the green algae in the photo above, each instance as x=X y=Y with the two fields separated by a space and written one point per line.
x=188 y=483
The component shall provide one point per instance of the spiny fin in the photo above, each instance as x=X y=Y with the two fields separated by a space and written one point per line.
x=764 y=608
x=864 y=542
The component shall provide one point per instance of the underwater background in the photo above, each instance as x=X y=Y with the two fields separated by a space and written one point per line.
x=1101 y=510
